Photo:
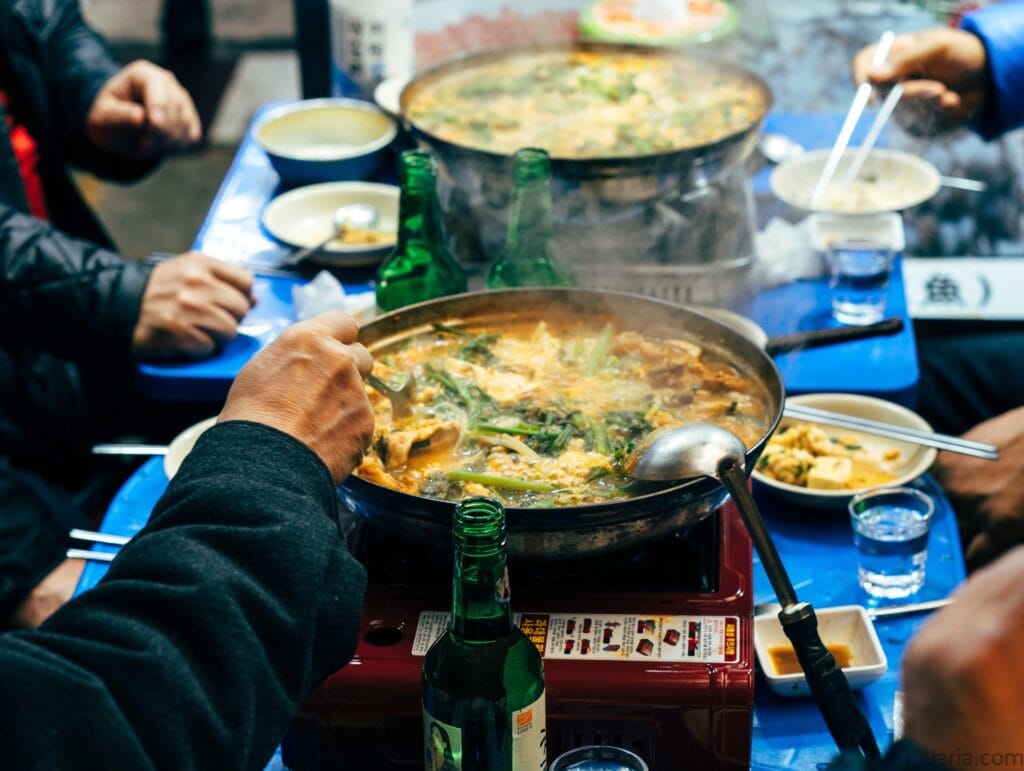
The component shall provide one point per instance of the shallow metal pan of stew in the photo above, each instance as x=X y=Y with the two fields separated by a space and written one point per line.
x=567 y=532
x=697 y=110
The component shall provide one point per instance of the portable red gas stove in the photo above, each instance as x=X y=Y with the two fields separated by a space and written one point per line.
x=651 y=651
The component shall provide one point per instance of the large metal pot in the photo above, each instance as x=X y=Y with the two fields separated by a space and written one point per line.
x=617 y=218
x=573 y=531
x=632 y=176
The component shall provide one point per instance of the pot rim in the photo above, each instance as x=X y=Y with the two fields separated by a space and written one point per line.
x=570 y=166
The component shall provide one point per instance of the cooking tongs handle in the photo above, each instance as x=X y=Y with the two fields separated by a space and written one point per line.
x=828 y=684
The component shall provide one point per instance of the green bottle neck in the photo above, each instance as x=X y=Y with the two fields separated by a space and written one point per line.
x=480 y=598
x=419 y=220
x=529 y=222
x=480 y=603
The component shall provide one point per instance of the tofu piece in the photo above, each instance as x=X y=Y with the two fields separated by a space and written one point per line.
x=830 y=473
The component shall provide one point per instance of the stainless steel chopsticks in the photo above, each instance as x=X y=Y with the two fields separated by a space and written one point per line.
x=881 y=117
x=860 y=100
x=129 y=449
x=94 y=556
x=911 y=435
x=94 y=537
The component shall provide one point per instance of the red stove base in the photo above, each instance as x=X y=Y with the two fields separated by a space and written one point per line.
x=672 y=712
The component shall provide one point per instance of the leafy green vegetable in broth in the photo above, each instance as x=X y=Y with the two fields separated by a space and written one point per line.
x=542 y=412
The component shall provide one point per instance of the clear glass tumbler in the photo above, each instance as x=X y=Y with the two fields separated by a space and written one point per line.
x=860 y=270
x=890 y=531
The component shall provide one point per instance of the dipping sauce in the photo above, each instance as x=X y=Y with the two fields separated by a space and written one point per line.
x=785 y=662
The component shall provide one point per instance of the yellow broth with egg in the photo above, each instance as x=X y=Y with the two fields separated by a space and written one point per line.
x=542 y=413
x=588 y=104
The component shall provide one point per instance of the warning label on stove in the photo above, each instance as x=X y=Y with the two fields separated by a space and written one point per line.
x=612 y=637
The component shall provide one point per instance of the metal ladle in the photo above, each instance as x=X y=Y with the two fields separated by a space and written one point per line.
x=705 y=450
x=353 y=215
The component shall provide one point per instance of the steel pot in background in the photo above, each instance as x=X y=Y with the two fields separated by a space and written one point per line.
x=610 y=199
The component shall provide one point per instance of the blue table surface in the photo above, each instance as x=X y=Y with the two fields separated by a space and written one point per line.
x=816 y=547
x=886 y=366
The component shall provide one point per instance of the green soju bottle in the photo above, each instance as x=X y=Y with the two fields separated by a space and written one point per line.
x=527 y=259
x=421 y=267
x=483 y=680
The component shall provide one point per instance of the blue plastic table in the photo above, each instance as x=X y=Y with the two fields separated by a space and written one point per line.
x=885 y=366
x=816 y=547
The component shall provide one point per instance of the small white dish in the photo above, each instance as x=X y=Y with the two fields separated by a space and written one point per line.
x=304 y=217
x=388 y=95
x=847 y=625
x=913 y=461
x=885 y=228
x=182 y=445
x=889 y=181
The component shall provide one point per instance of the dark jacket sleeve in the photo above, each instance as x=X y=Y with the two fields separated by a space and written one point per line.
x=64 y=63
x=66 y=295
x=211 y=625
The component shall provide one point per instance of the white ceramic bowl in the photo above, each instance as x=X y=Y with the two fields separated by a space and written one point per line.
x=322 y=140
x=304 y=217
x=914 y=459
x=847 y=625
x=182 y=445
x=889 y=181
x=388 y=94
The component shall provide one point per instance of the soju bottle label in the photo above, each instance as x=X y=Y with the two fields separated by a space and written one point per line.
x=443 y=742
x=529 y=737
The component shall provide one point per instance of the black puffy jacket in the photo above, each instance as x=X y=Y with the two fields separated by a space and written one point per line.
x=69 y=296
x=67 y=301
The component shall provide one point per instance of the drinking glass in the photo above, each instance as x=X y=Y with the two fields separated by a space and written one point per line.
x=860 y=270
x=890 y=531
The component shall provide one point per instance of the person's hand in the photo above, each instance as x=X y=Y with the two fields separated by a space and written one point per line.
x=309 y=383
x=142 y=113
x=192 y=304
x=988 y=496
x=944 y=75
x=52 y=592
x=962 y=677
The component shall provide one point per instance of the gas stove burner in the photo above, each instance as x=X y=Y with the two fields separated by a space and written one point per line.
x=649 y=649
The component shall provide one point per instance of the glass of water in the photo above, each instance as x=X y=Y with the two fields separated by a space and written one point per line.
x=860 y=271
x=890 y=531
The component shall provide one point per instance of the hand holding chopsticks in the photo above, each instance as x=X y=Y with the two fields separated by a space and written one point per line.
x=860 y=100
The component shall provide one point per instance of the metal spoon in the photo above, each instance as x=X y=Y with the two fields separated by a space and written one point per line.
x=704 y=450
x=400 y=398
x=353 y=215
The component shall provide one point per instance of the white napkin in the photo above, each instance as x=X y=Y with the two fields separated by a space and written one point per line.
x=784 y=254
x=325 y=293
